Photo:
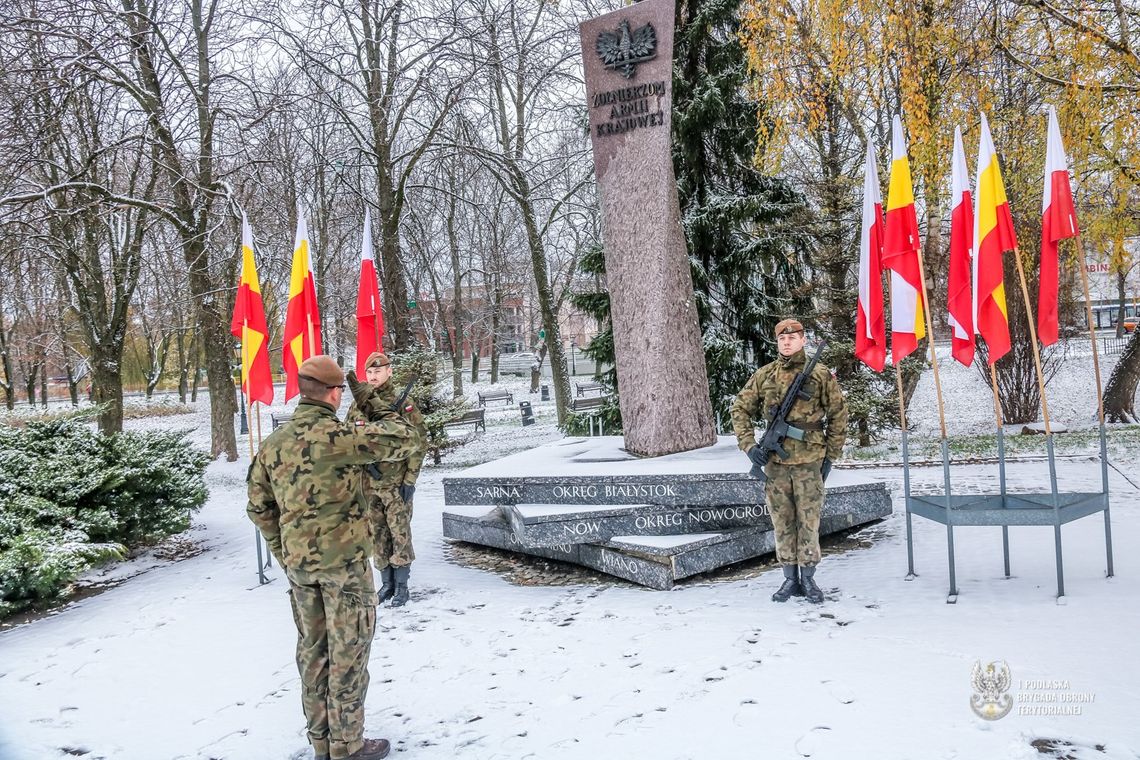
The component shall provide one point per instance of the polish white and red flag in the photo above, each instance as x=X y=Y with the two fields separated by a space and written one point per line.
x=1058 y=221
x=870 y=324
x=369 y=311
x=959 y=292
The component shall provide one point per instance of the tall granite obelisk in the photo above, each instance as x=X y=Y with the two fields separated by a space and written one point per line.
x=628 y=57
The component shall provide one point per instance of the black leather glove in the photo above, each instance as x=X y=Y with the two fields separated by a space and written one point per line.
x=407 y=492
x=360 y=391
x=825 y=468
x=367 y=399
x=757 y=457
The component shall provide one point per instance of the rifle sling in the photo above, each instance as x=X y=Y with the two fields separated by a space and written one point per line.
x=802 y=425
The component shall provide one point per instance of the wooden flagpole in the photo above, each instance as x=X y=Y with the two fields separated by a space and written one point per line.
x=1033 y=339
x=930 y=340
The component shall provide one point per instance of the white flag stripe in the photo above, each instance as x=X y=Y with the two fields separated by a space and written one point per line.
x=303 y=235
x=986 y=154
x=366 y=239
x=1055 y=161
x=246 y=233
x=904 y=298
x=960 y=186
x=898 y=144
x=871 y=197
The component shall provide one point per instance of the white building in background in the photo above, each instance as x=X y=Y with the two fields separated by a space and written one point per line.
x=1104 y=286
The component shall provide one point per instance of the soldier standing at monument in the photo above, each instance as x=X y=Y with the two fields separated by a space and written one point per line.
x=306 y=496
x=392 y=486
x=794 y=490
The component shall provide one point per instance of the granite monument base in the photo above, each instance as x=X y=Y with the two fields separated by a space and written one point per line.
x=650 y=521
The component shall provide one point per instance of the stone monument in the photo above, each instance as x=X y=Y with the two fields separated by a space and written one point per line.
x=628 y=57
x=650 y=521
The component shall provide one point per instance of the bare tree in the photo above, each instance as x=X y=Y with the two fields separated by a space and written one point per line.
x=519 y=126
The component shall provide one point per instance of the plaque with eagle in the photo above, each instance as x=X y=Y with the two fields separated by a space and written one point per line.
x=624 y=48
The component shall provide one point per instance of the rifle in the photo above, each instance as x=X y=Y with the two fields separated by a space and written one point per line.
x=778 y=427
x=399 y=405
x=371 y=467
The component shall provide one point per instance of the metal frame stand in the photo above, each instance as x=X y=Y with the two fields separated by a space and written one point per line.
x=1005 y=509
x=591 y=420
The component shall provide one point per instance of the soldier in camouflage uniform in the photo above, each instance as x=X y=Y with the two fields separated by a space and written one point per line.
x=307 y=497
x=794 y=491
x=392 y=487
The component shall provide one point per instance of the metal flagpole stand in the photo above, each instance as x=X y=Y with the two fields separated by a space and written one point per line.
x=264 y=556
x=1054 y=508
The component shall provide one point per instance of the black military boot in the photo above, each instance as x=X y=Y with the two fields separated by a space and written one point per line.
x=373 y=749
x=387 y=585
x=400 y=574
x=791 y=585
x=811 y=591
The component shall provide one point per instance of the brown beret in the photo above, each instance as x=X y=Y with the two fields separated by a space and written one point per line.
x=323 y=369
x=376 y=359
x=789 y=326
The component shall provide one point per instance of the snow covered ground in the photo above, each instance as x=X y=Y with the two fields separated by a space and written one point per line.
x=194 y=660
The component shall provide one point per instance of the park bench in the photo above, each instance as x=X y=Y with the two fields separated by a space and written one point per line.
x=279 y=419
x=588 y=404
x=581 y=389
x=495 y=396
x=475 y=418
x=591 y=405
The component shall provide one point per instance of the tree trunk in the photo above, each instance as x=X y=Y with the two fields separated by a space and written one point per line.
x=183 y=366
x=196 y=362
x=1122 y=299
x=214 y=330
x=457 y=311
x=546 y=304
x=9 y=384
x=72 y=384
x=107 y=387
x=1120 y=392
x=30 y=384
x=496 y=320
x=44 y=383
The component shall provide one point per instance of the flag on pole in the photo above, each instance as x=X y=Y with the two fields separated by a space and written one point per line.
x=993 y=236
x=369 y=311
x=302 y=318
x=901 y=252
x=870 y=325
x=960 y=296
x=248 y=325
x=1058 y=221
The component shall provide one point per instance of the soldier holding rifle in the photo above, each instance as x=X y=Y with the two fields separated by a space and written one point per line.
x=806 y=418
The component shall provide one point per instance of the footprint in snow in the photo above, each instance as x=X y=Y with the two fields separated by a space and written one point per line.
x=810 y=743
x=748 y=713
x=840 y=691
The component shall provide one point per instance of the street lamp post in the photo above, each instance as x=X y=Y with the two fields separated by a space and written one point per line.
x=573 y=357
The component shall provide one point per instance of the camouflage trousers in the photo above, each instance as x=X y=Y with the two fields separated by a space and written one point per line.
x=392 y=528
x=335 y=613
x=794 y=494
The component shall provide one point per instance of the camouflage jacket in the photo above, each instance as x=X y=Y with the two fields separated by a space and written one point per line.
x=825 y=409
x=306 y=485
x=404 y=471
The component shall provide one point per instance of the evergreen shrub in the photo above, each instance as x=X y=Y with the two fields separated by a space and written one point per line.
x=71 y=497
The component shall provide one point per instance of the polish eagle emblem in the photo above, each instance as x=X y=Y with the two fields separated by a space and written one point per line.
x=624 y=48
x=991 y=684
